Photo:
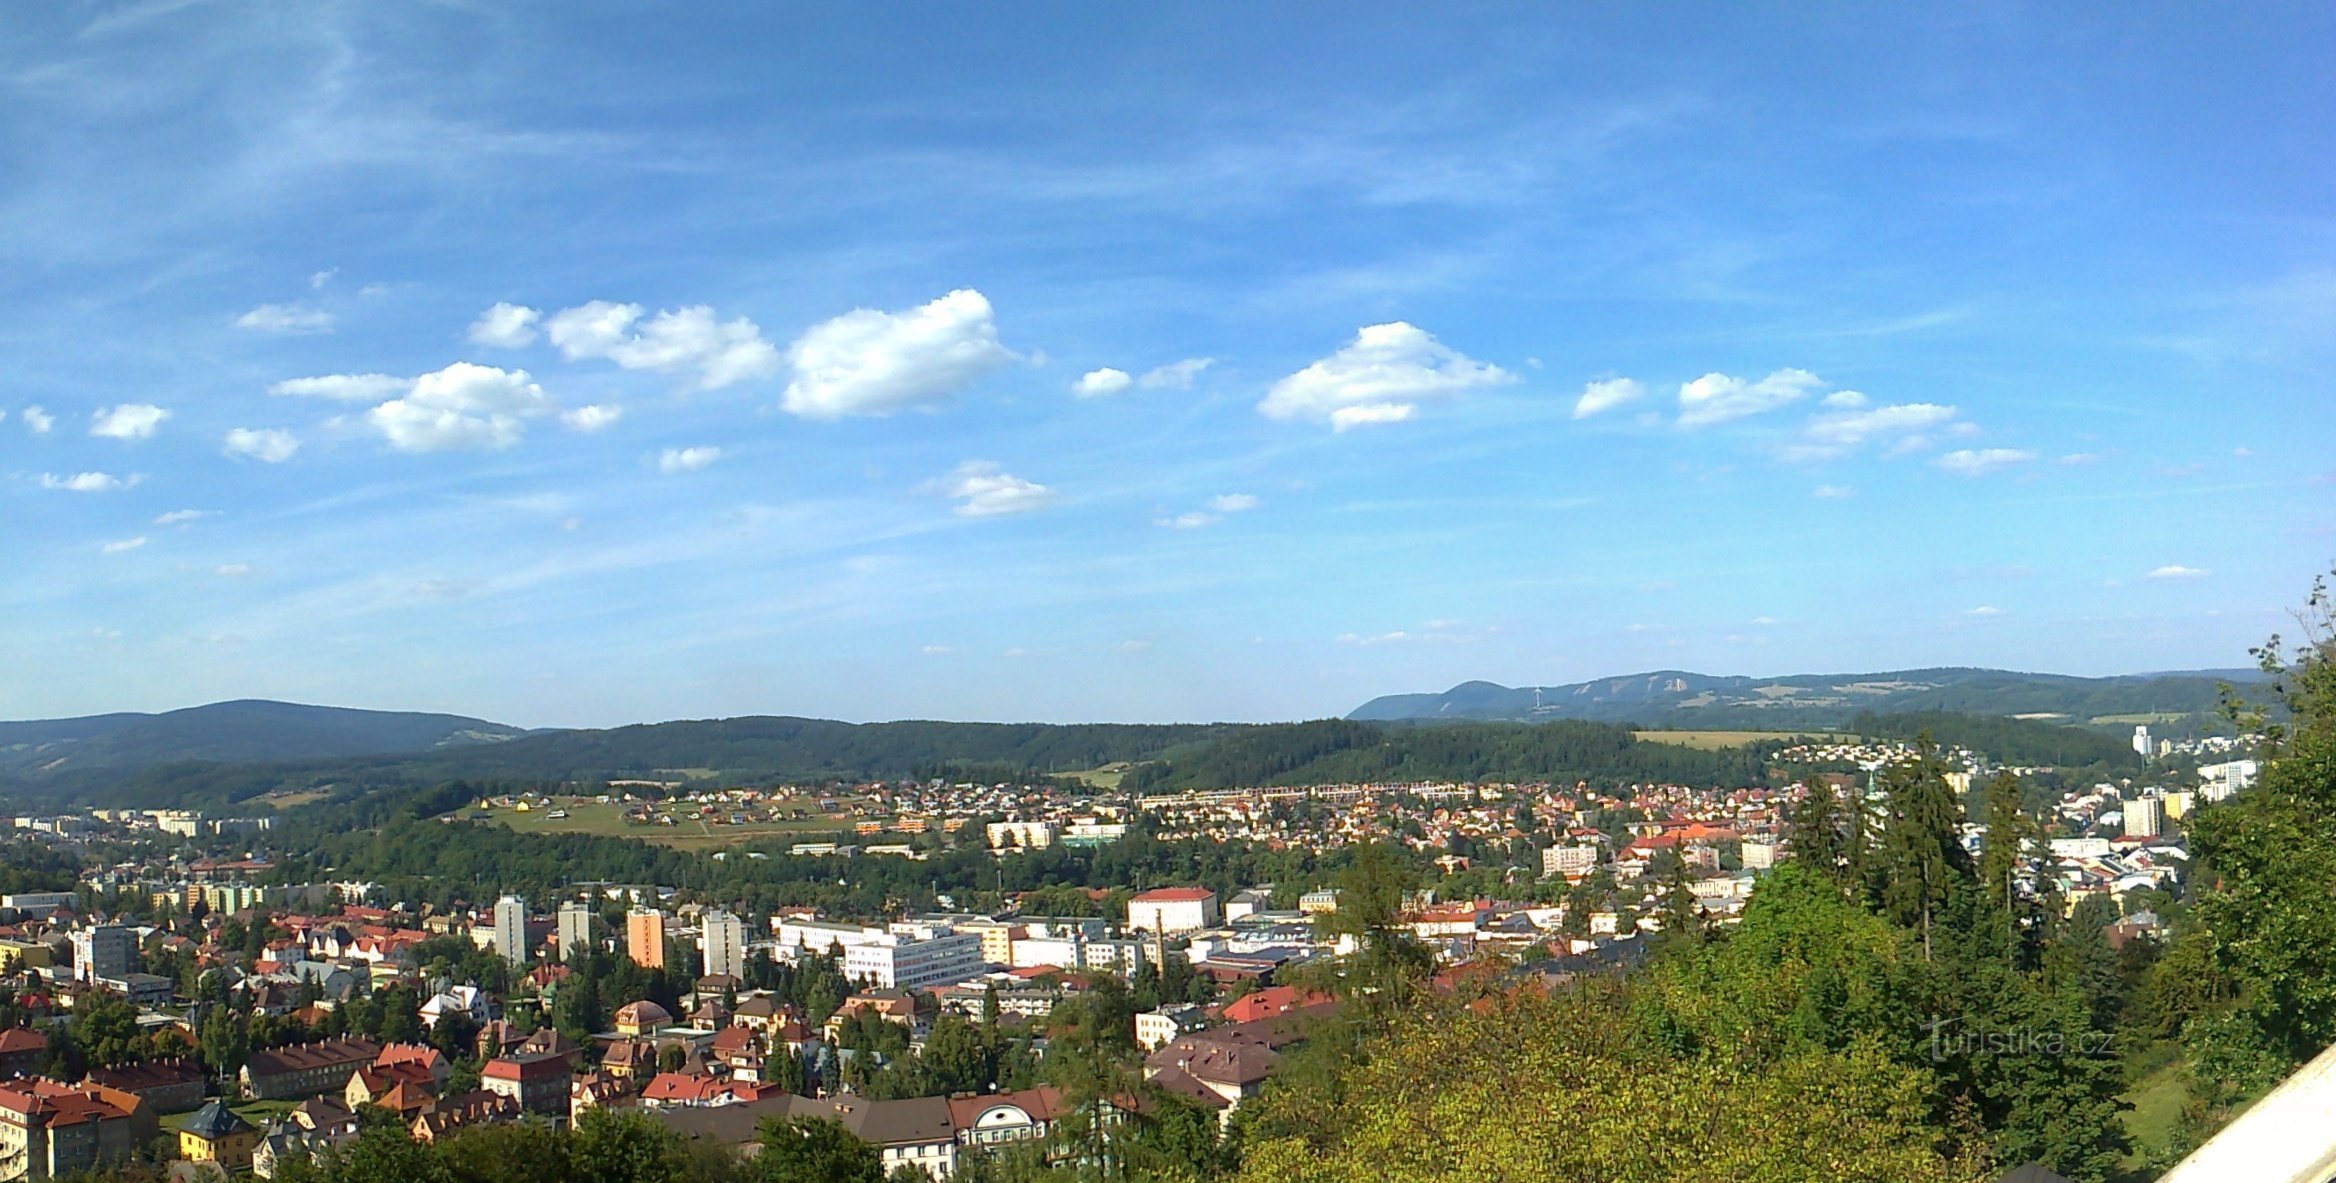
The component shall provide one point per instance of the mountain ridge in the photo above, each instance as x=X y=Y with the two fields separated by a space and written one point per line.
x=1684 y=697
x=245 y=730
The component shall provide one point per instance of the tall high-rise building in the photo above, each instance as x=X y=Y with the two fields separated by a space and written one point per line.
x=723 y=942
x=2142 y=744
x=645 y=937
x=575 y=927
x=103 y=951
x=511 y=929
x=2144 y=817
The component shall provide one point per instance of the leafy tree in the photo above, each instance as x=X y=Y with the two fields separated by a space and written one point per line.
x=1553 y=1088
x=815 y=1150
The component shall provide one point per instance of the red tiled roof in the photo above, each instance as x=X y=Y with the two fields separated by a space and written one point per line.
x=1175 y=895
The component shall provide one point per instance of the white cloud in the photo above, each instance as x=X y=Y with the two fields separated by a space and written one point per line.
x=1984 y=610
x=2079 y=459
x=115 y=548
x=1379 y=377
x=462 y=406
x=231 y=570
x=179 y=517
x=1845 y=399
x=1607 y=394
x=2177 y=571
x=269 y=445
x=348 y=388
x=1764 y=621
x=38 y=421
x=675 y=460
x=286 y=319
x=1215 y=511
x=1097 y=383
x=1833 y=492
x=1720 y=398
x=317 y=280
x=1980 y=462
x=1904 y=426
x=868 y=362
x=592 y=418
x=1176 y=375
x=683 y=340
x=938 y=650
x=505 y=326
x=129 y=421
x=983 y=491
x=1368 y=414
x=88 y=482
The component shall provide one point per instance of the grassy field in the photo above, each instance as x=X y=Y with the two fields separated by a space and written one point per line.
x=689 y=832
x=1712 y=741
x=2147 y=717
x=1106 y=778
x=2157 y=1101
x=288 y=800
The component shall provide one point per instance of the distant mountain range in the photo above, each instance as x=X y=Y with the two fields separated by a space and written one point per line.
x=244 y=732
x=1678 y=698
x=231 y=751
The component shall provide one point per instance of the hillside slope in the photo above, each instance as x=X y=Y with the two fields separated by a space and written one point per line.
x=243 y=732
x=1684 y=699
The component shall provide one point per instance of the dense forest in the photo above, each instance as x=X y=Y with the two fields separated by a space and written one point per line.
x=1335 y=751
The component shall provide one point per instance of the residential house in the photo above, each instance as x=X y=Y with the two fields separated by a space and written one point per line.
x=170 y=1086
x=218 y=1134
x=48 y=1130
x=538 y=1083
x=306 y=1069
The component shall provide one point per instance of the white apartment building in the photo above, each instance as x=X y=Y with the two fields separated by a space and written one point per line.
x=1173 y=909
x=511 y=929
x=2218 y=782
x=1019 y=835
x=1569 y=861
x=103 y=951
x=798 y=937
x=575 y=927
x=2144 y=817
x=722 y=940
x=915 y=957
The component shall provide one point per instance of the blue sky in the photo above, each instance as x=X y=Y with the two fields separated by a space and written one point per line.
x=576 y=364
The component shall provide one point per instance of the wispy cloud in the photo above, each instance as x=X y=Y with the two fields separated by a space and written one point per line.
x=679 y=460
x=2177 y=571
x=289 y=320
x=269 y=445
x=89 y=482
x=1980 y=462
x=983 y=490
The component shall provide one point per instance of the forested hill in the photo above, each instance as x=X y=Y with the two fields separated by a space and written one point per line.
x=1165 y=757
x=1340 y=751
x=756 y=748
x=248 y=731
x=1678 y=698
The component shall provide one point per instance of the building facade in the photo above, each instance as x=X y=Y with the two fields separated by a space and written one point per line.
x=645 y=937
x=722 y=941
